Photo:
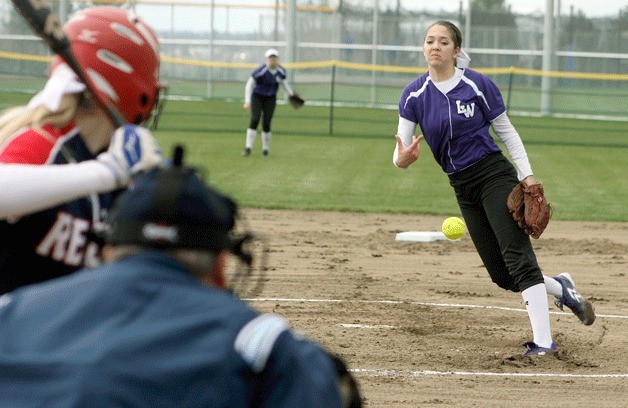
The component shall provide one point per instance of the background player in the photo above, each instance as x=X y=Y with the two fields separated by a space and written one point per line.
x=157 y=326
x=455 y=106
x=62 y=124
x=260 y=96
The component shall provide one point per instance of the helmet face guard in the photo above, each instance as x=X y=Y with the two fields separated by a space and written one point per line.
x=153 y=120
x=120 y=54
x=246 y=273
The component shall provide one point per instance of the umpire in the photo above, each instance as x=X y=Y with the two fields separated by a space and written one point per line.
x=156 y=325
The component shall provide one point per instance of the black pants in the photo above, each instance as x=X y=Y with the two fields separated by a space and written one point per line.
x=265 y=104
x=507 y=253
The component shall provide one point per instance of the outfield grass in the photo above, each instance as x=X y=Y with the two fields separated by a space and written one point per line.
x=583 y=164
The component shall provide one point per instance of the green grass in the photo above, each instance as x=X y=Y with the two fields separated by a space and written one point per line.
x=583 y=164
x=584 y=97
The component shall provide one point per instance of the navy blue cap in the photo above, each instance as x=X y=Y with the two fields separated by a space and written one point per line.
x=172 y=208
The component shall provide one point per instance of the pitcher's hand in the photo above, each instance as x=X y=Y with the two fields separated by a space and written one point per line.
x=408 y=155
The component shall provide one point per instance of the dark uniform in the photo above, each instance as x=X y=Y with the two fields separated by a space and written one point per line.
x=143 y=332
x=264 y=98
x=456 y=128
x=148 y=331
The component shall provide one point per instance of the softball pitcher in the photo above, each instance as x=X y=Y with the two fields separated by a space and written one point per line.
x=455 y=107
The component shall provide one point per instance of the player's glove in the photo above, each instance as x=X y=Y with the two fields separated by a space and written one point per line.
x=530 y=208
x=132 y=150
x=296 y=101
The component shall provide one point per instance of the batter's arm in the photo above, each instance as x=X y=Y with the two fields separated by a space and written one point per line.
x=28 y=188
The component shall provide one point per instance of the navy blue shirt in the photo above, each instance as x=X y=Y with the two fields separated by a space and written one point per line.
x=267 y=82
x=142 y=332
x=455 y=125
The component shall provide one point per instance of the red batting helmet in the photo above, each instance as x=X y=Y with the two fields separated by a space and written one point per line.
x=120 y=54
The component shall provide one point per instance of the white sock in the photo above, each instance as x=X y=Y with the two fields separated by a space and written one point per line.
x=552 y=287
x=535 y=298
x=251 y=134
x=266 y=140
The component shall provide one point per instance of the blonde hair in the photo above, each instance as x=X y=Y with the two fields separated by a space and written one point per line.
x=14 y=119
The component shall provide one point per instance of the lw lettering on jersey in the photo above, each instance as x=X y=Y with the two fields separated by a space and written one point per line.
x=67 y=242
x=466 y=110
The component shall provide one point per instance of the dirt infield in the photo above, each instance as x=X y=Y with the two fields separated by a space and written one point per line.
x=422 y=325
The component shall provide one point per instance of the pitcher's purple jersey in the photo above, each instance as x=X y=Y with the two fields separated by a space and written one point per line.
x=455 y=125
x=266 y=82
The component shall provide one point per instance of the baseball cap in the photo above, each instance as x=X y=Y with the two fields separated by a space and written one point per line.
x=171 y=207
x=271 y=52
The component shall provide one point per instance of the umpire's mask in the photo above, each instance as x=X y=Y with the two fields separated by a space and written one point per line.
x=171 y=207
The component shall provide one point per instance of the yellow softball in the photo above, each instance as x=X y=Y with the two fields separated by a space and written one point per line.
x=453 y=227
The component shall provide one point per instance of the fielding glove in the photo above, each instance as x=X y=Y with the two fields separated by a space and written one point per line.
x=530 y=208
x=296 y=101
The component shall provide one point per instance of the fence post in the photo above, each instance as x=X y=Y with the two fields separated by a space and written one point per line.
x=331 y=98
x=510 y=78
x=548 y=51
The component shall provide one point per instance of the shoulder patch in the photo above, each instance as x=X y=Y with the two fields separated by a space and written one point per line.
x=477 y=91
x=260 y=71
x=256 y=339
x=417 y=93
x=5 y=300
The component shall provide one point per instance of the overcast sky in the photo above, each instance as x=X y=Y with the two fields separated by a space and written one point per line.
x=591 y=8
x=244 y=19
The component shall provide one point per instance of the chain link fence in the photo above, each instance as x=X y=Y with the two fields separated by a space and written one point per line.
x=355 y=53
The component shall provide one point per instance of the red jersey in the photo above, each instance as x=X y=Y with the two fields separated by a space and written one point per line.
x=56 y=241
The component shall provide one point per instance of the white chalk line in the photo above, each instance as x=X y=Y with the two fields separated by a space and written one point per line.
x=401 y=302
x=424 y=373
x=427 y=373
